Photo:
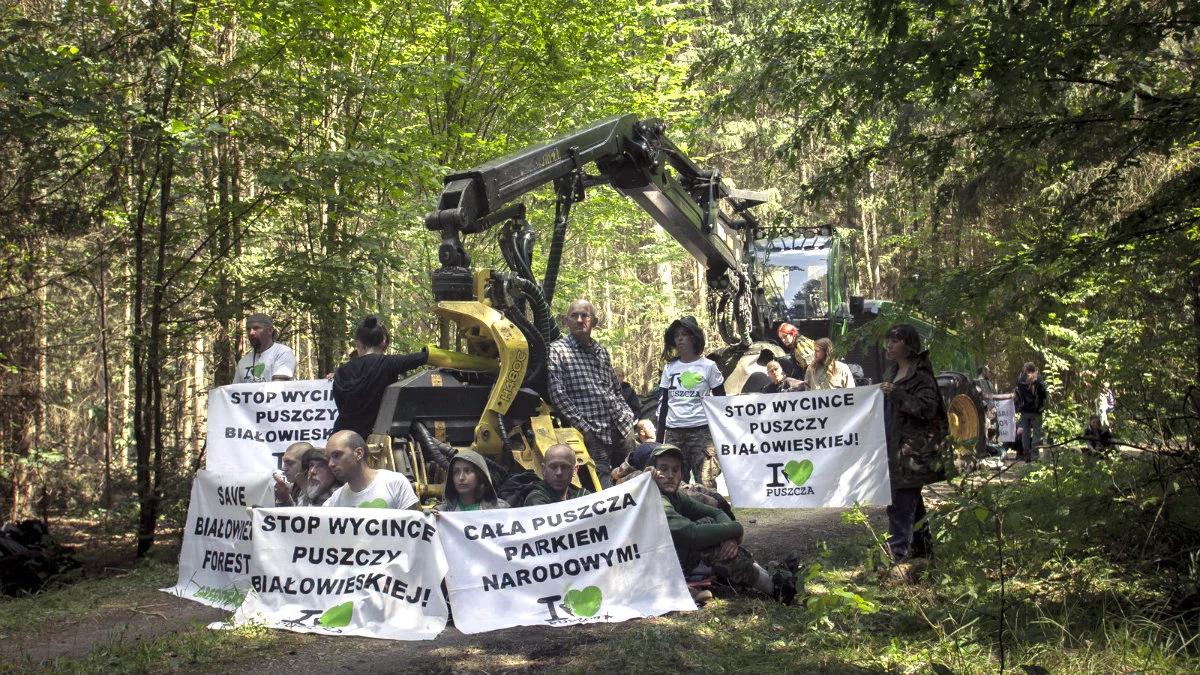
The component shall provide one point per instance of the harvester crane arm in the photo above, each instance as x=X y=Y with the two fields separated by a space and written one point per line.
x=635 y=158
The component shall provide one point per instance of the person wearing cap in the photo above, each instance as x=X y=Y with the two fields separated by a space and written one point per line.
x=686 y=379
x=290 y=481
x=320 y=482
x=469 y=485
x=798 y=350
x=267 y=360
x=706 y=537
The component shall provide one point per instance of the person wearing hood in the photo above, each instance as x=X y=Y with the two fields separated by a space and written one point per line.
x=686 y=379
x=915 y=425
x=469 y=485
x=358 y=384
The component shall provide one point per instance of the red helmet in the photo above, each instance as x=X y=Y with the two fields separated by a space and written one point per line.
x=788 y=329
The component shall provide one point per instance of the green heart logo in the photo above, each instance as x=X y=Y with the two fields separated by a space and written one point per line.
x=337 y=616
x=377 y=503
x=690 y=378
x=258 y=369
x=798 y=472
x=584 y=602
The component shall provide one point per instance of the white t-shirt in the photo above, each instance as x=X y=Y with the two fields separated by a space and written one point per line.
x=278 y=359
x=687 y=382
x=389 y=490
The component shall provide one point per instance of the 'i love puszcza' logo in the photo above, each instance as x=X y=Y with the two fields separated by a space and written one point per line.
x=790 y=478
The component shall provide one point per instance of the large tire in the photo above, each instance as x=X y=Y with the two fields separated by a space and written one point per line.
x=965 y=411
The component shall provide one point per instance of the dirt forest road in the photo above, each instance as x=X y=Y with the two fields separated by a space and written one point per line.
x=145 y=615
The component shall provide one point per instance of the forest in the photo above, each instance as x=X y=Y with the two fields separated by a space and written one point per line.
x=1026 y=173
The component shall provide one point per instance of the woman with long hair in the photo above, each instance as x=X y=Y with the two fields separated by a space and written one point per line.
x=825 y=371
x=915 y=423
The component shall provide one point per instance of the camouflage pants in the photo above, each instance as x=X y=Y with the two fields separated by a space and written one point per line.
x=739 y=572
x=697 y=446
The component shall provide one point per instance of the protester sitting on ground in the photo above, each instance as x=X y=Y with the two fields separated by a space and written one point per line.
x=558 y=468
x=469 y=485
x=359 y=383
x=916 y=426
x=706 y=538
x=644 y=430
x=686 y=380
x=321 y=481
x=267 y=359
x=364 y=486
x=290 y=485
x=1098 y=436
x=780 y=382
x=635 y=463
x=825 y=371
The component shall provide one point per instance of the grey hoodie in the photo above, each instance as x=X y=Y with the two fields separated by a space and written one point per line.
x=450 y=500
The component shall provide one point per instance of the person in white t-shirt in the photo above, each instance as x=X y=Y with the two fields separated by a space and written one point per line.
x=686 y=379
x=364 y=487
x=267 y=360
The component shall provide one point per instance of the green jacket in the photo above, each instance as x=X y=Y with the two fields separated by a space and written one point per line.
x=689 y=535
x=542 y=493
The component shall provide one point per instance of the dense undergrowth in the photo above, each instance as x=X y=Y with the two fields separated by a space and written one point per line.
x=1079 y=565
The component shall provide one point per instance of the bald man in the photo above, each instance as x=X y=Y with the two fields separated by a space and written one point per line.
x=558 y=468
x=584 y=390
x=364 y=486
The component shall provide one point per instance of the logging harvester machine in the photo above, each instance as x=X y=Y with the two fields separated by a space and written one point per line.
x=489 y=392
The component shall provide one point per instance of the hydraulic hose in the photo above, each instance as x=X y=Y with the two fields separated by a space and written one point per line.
x=562 y=209
x=535 y=371
x=540 y=304
x=434 y=450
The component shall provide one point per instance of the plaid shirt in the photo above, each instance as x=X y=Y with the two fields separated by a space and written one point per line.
x=584 y=389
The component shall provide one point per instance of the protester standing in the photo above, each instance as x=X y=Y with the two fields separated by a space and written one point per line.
x=584 y=390
x=358 y=384
x=687 y=378
x=1031 y=396
x=825 y=371
x=267 y=359
x=915 y=422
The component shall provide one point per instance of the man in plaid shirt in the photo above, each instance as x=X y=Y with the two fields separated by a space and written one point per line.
x=584 y=390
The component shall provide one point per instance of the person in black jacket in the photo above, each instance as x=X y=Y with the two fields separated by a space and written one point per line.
x=915 y=425
x=358 y=384
x=1030 y=401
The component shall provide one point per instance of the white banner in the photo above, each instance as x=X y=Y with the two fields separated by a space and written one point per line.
x=1006 y=423
x=368 y=572
x=802 y=449
x=250 y=425
x=214 y=563
x=603 y=557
